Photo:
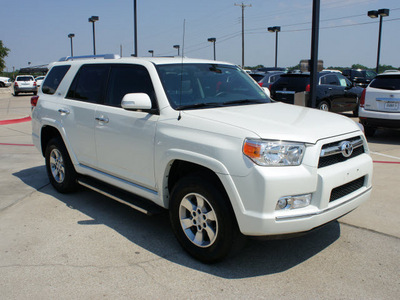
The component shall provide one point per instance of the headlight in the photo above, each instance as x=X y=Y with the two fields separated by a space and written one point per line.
x=274 y=153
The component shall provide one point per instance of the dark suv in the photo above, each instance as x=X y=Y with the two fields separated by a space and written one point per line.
x=334 y=91
x=359 y=77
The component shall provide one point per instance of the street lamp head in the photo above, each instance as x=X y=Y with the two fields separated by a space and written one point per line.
x=71 y=35
x=93 y=19
x=274 y=29
x=151 y=51
x=384 y=12
x=212 y=40
x=176 y=46
x=373 y=14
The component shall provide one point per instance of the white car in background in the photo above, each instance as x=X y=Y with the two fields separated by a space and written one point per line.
x=39 y=80
x=380 y=103
x=24 y=84
x=5 y=82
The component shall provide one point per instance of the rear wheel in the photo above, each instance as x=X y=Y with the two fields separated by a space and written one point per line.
x=369 y=131
x=59 y=167
x=323 y=105
x=202 y=218
x=16 y=93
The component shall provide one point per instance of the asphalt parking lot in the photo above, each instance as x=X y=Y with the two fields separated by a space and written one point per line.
x=84 y=245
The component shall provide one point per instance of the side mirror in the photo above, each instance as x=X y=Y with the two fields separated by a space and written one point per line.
x=136 y=101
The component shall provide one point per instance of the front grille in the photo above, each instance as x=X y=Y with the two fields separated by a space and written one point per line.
x=346 y=189
x=331 y=153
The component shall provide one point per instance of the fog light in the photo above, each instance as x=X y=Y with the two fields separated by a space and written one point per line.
x=293 y=202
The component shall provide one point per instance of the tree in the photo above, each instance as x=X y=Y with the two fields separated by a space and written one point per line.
x=3 y=53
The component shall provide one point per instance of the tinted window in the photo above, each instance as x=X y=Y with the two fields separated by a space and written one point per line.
x=54 y=79
x=24 y=78
x=391 y=82
x=89 y=83
x=329 y=79
x=125 y=79
x=291 y=82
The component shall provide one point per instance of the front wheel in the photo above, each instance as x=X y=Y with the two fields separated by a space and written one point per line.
x=202 y=219
x=59 y=167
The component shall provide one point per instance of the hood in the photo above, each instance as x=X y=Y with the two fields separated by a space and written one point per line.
x=279 y=121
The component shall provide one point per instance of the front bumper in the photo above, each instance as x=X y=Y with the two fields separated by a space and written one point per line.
x=258 y=193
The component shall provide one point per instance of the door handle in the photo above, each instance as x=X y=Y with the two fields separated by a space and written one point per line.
x=64 y=111
x=102 y=119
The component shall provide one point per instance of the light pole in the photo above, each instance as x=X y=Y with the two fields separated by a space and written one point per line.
x=92 y=20
x=152 y=52
x=177 y=47
x=71 y=35
x=384 y=12
x=213 y=40
x=275 y=29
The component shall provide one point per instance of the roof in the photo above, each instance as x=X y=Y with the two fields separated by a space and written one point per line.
x=155 y=60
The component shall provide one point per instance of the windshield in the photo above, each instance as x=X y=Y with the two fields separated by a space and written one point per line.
x=191 y=86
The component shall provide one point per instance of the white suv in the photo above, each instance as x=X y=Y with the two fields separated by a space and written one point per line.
x=201 y=139
x=380 y=103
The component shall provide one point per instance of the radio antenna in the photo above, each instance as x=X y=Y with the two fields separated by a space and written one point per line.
x=183 y=52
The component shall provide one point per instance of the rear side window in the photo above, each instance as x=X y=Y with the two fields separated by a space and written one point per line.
x=292 y=83
x=54 y=79
x=391 y=82
x=125 y=79
x=89 y=83
x=24 y=78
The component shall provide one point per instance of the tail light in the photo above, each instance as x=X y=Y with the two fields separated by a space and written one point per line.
x=308 y=88
x=362 y=99
x=260 y=84
x=270 y=87
x=34 y=83
x=34 y=101
x=15 y=83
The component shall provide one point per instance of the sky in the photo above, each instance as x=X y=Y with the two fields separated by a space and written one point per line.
x=37 y=31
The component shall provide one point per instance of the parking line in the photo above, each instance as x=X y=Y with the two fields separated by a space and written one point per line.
x=385 y=155
x=9 y=144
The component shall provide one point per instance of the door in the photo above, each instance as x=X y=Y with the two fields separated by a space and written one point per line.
x=125 y=139
x=78 y=111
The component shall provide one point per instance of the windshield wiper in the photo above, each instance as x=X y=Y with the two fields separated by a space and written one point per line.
x=199 y=105
x=243 y=101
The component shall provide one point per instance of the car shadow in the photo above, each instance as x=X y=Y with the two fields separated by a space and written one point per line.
x=154 y=234
x=385 y=136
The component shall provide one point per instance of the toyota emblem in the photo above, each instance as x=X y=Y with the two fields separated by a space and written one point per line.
x=346 y=148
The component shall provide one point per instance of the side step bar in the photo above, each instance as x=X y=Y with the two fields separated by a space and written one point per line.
x=144 y=206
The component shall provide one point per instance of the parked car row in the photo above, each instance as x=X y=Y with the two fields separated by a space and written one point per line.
x=334 y=91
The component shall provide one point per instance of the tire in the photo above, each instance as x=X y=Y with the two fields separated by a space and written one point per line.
x=60 y=169
x=355 y=112
x=369 y=131
x=34 y=93
x=324 y=105
x=202 y=218
x=2 y=84
x=16 y=93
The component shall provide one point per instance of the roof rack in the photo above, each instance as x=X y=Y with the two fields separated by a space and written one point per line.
x=104 y=56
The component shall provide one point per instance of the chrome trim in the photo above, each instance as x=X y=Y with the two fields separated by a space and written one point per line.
x=286 y=92
x=284 y=218
x=337 y=149
x=123 y=180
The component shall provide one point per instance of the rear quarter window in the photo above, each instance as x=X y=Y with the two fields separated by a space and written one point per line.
x=54 y=79
x=391 y=82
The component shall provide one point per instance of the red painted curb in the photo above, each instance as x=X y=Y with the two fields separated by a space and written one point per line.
x=386 y=162
x=14 y=121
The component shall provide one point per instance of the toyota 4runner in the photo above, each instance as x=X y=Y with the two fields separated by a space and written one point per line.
x=201 y=139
